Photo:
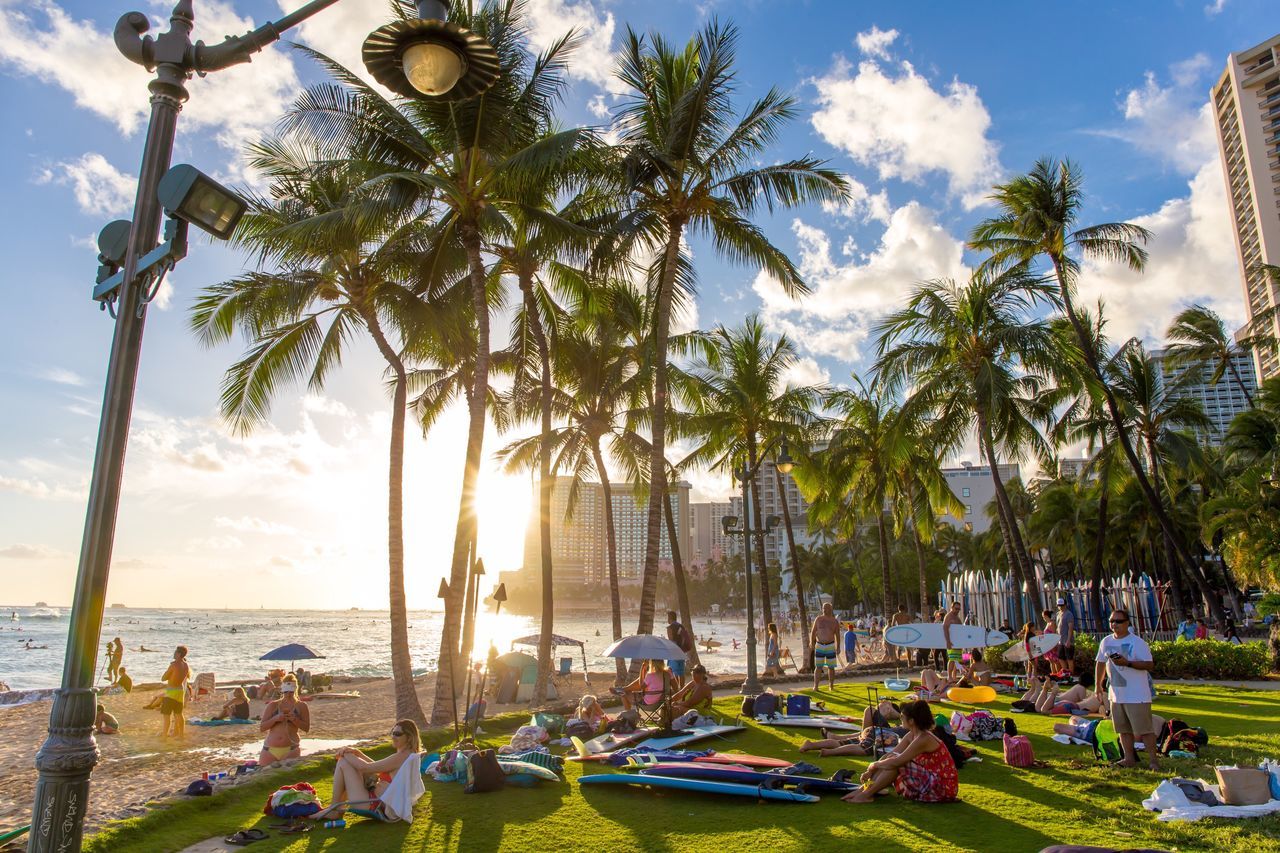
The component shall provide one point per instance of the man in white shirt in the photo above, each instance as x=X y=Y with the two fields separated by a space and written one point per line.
x=1124 y=660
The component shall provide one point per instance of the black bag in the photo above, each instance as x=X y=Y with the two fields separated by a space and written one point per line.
x=1170 y=728
x=748 y=706
x=766 y=705
x=484 y=773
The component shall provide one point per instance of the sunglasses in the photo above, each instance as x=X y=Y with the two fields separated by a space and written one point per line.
x=397 y=733
x=1118 y=621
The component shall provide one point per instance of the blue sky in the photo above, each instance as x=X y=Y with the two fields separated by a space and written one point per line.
x=923 y=104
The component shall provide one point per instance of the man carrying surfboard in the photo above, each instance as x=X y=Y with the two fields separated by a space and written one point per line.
x=953 y=654
x=822 y=639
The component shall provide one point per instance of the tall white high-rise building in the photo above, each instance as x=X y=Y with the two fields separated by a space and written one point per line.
x=1221 y=400
x=1246 y=105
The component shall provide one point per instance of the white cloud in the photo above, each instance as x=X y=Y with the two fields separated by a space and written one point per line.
x=847 y=299
x=23 y=551
x=861 y=206
x=340 y=30
x=875 y=42
x=235 y=105
x=1215 y=7
x=593 y=61
x=252 y=524
x=41 y=490
x=896 y=121
x=806 y=371
x=1192 y=259
x=61 y=376
x=1172 y=123
x=99 y=187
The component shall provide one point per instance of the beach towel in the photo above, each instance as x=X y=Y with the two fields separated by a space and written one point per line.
x=403 y=792
x=231 y=722
x=1173 y=804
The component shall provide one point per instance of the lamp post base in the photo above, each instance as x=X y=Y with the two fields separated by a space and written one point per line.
x=64 y=761
x=751 y=687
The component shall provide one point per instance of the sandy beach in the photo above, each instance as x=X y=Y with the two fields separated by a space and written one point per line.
x=137 y=766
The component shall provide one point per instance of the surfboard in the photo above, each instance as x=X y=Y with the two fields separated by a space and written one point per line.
x=643 y=759
x=1040 y=644
x=789 y=722
x=928 y=635
x=679 y=739
x=757 y=792
x=611 y=741
x=746 y=776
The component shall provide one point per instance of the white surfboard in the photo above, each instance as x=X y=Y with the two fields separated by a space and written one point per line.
x=928 y=635
x=832 y=723
x=1040 y=644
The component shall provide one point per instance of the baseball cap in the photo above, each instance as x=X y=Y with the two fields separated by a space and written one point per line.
x=288 y=687
x=1062 y=601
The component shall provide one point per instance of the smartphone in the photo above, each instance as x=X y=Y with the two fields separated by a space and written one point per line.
x=1114 y=655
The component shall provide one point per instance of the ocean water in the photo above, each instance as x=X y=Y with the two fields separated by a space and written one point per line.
x=353 y=642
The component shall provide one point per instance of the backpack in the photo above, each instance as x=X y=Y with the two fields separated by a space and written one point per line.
x=748 y=706
x=484 y=773
x=1018 y=751
x=766 y=705
x=1105 y=741
x=797 y=705
x=682 y=638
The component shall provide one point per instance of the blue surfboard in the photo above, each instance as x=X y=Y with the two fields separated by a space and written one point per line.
x=755 y=792
x=746 y=776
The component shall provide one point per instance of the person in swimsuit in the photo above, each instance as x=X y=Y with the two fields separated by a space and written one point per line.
x=953 y=654
x=694 y=696
x=978 y=672
x=124 y=681
x=359 y=780
x=870 y=739
x=104 y=723
x=237 y=708
x=649 y=688
x=822 y=639
x=175 y=694
x=282 y=720
x=920 y=769
x=772 y=651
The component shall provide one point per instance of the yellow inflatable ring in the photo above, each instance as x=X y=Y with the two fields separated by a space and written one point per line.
x=972 y=695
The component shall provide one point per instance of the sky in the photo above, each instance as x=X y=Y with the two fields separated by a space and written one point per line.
x=924 y=105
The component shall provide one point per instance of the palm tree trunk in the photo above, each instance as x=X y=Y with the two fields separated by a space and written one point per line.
x=795 y=566
x=445 y=708
x=757 y=541
x=857 y=574
x=1099 y=545
x=883 y=535
x=1113 y=409
x=545 y=486
x=923 y=567
x=658 y=430
x=407 y=705
x=1017 y=558
x=677 y=568
x=611 y=542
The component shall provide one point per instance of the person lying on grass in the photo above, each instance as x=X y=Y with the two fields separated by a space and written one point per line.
x=870 y=739
x=933 y=685
x=920 y=769
x=359 y=780
x=1044 y=697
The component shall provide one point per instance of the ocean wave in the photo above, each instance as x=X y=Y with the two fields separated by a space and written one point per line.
x=14 y=698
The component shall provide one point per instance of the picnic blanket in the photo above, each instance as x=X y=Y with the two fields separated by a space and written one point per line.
x=1172 y=804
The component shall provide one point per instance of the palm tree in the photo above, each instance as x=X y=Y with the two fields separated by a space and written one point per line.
x=339 y=269
x=1199 y=340
x=965 y=349
x=854 y=474
x=740 y=405
x=1039 y=214
x=689 y=164
x=475 y=159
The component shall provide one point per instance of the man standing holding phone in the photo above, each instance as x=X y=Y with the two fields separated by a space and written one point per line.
x=1124 y=659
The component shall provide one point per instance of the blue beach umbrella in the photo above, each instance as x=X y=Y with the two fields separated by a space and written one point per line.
x=291 y=652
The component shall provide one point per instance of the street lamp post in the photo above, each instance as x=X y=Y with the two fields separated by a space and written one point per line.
x=127 y=281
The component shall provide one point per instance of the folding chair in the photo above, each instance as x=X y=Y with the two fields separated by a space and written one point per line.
x=205 y=685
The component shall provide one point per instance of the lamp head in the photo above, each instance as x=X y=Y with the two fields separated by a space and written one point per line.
x=785 y=463
x=771 y=522
x=728 y=523
x=194 y=197
x=113 y=242
x=429 y=57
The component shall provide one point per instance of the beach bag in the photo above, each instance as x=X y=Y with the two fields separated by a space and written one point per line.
x=1273 y=770
x=960 y=724
x=1106 y=743
x=553 y=724
x=1170 y=728
x=484 y=773
x=983 y=725
x=1244 y=786
x=292 y=801
x=580 y=729
x=798 y=705
x=766 y=705
x=1018 y=751
x=626 y=723
x=748 y=706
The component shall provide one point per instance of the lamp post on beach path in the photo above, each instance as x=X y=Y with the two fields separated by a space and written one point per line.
x=729 y=523
x=418 y=58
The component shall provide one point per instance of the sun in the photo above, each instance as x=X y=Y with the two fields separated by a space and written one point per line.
x=503 y=512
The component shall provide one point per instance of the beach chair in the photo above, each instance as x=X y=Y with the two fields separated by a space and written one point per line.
x=204 y=686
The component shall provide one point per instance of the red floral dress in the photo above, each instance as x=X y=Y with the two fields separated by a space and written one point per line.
x=930 y=777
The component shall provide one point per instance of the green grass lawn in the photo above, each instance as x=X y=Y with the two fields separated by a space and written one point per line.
x=1074 y=800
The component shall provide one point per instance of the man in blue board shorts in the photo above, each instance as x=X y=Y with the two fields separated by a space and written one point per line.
x=822 y=638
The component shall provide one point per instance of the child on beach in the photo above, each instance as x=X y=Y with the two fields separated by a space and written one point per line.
x=104 y=723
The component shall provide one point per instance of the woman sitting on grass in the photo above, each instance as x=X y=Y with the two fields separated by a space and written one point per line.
x=978 y=672
x=358 y=780
x=590 y=712
x=920 y=768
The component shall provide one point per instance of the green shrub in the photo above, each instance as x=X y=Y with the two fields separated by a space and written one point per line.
x=1269 y=604
x=1196 y=659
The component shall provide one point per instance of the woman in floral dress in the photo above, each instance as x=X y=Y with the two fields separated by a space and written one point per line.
x=920 y=768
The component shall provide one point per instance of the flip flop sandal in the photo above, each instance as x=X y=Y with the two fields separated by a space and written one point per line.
x=245 y=837
x=296 y=828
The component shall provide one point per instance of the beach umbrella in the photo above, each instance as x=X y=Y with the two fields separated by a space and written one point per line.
x=291 y=652
x=645 y=646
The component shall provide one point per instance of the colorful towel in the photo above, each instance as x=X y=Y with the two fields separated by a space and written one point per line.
x=219 y=722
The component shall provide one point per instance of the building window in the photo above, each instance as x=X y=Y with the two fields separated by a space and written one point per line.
x=964 y=493
x=968 y=509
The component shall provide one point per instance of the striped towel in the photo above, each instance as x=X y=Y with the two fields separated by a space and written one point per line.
x=554 y=763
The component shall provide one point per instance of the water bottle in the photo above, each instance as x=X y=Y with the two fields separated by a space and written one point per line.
x=340 y=823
